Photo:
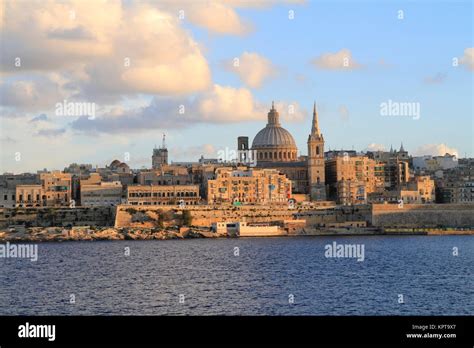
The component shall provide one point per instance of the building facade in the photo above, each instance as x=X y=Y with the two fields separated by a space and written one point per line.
x=101 y=194
x=57 y=188
x=350 y=177
x=29 y=196
x=249 y=186
x=163 y=195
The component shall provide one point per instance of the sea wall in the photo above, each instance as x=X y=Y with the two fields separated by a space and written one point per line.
x=205 y=216
x=57 y=217
x=423 y=215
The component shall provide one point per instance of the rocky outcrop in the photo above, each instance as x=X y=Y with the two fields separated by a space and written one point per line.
x=84 y=233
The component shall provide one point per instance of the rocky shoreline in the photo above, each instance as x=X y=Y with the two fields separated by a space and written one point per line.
x=86 y=233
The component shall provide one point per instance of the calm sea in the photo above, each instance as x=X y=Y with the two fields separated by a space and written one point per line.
x=247 y=276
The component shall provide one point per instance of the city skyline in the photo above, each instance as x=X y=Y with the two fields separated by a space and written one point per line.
x=372 y=54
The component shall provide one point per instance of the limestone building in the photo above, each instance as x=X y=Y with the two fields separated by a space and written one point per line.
x=350 y=177
x=163 y=194
x=28 y=196
x=57 y=188
x=248 y=186
x=101 y=194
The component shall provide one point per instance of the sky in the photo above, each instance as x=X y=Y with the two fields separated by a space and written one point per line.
x=206 y=72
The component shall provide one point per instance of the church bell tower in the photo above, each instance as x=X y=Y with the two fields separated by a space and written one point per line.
x=316 y=177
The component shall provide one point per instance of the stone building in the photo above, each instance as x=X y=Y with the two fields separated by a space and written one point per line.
x=395 y=166
x=350 y=177
x=57 y=188
x=165 y=175
x=248 y=186
x=8 y=184
x=101 y=194
x=430 y=164
x=457 y=184
x=28 y=196
x=424 y=186
x=163 y=194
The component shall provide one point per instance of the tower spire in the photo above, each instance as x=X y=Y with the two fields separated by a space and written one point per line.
x=315 y=127
x=273 y=105
x=163 y=145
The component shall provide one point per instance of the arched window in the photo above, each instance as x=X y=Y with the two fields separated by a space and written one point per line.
x=317 y=150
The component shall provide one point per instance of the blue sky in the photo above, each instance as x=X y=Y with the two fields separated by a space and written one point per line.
x=403 y=60
x=421 y=45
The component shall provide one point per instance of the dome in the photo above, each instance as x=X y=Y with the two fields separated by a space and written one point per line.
x=273 y=136
x=274 y=143
x=115 y=163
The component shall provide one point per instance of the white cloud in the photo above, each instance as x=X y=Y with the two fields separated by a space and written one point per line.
x=435 y=150
x=341 y=60
x=218 y=105
x=252 y=68
x=35 y=93
x=375 y=147
x=103 y=48
x=218 y=18
x=468 y=58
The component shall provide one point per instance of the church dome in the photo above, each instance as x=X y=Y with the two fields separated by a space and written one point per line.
x=274 y=143
x=273 y=136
